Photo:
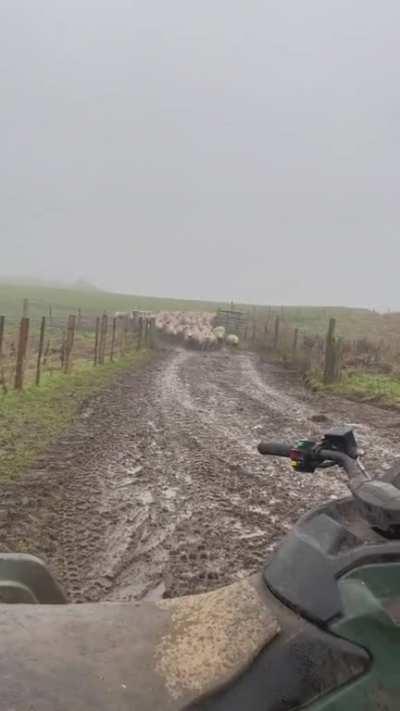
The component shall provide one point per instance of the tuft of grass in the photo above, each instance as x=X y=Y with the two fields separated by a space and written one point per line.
x=383 y=389
x=31 y=420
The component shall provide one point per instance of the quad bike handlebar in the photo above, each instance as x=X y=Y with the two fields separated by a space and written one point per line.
x=315 y=457
x=378 y=500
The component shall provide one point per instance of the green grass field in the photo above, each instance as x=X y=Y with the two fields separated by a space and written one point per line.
x=92 y=303
x=381 y=389
x=351 y=323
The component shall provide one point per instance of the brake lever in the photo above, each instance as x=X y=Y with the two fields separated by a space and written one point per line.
x=327 y=465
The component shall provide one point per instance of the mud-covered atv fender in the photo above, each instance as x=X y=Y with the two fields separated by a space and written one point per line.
x=153 y=655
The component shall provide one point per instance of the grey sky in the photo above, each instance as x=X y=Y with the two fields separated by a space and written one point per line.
x=245 y=150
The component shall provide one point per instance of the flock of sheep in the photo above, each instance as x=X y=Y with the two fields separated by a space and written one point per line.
x=194 y=330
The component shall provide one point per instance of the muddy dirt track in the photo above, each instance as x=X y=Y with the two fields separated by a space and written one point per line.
x=158 y=488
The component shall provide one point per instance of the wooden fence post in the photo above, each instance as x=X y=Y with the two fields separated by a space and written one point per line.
x=254 y=331
x=46 y=353
x=113 y=338
x=96 y=343
x=124 y=335
x=2 y=323
x=152 y=330
x=146 y=332
x=338 y=357
x=276 y=333
x=50 y=315
x=2 y=375
x=103 y=338
x=330 y=354
x=25 y=308
x=69 y=342
x=63 y=349
x=40 y=352
x=140 y=333
x=21 y=353
x=78 y=324
x=295 y=340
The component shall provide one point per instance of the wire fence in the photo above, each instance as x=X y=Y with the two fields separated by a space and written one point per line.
x=28 y=351
x=329 y=356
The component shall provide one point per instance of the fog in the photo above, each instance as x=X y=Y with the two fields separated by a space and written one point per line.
x=227 y=150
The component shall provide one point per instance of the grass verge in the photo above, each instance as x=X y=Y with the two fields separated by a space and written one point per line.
x=367 y=387
x=31 y=420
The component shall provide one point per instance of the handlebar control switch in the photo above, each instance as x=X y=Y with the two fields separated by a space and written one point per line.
x=341 y=439
x=303 y=457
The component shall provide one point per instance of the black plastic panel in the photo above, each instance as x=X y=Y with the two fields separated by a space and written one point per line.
x=303 y=573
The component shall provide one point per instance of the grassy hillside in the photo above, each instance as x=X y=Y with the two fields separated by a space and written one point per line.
x=351 y=323
x=92 y=303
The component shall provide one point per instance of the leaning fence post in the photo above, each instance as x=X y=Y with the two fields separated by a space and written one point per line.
x=21 y=353
x=2 y=376
x=276 y=333
x=40 y=351
x=2 y=323
x=113 y=338
x=96 y=343
x=140 y=334
x=295 y=340
x=330 y=353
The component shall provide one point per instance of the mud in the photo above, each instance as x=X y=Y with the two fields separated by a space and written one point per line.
x=158 y=490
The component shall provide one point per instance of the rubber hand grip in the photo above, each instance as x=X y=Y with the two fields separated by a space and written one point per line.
x=275 y=449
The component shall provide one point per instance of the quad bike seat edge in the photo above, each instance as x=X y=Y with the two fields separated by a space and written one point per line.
x=150 y=655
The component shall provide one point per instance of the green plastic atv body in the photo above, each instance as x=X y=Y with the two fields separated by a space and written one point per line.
x=371 y=603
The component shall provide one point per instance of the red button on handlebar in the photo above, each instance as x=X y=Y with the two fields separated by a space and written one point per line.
x=295 y=455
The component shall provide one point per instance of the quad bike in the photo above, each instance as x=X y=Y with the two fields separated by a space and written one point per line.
x=317 y=629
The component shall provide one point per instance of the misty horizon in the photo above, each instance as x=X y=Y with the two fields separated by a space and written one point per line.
x=205 y=152
x=81 y=284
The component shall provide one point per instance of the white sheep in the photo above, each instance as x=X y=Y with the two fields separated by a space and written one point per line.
x=232 y=340
x=219 y=333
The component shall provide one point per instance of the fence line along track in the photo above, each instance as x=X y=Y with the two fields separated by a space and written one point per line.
x=26 y=352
